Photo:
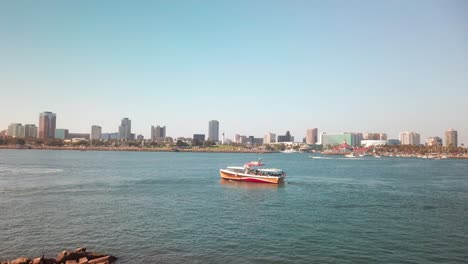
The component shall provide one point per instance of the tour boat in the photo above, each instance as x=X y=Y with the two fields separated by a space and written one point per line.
x=350 y=155
x=251 y=173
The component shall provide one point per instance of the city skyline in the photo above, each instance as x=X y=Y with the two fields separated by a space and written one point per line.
x=367 y=66
x=159 y=132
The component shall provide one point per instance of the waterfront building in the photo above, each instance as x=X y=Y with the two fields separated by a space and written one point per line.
x=433 y=141
x=374 y=136
x=243 y=139
x=237 y=138
x=47 y=122
x=311 y=136
x=285 y=138
x=269 y=138
x=140 y=137
x=83 y=136
x=30 y=130
x=61 y=133
x=105 y=136
x=257 y=141
x=125 y=129
x=199 y=137
x=158 y=133
x=350 y=138
x=393 y=142
x=410 y=138
x=213 y=130
x=372 y=142
x=16 y=130
x=451 y=138
x=96 y=132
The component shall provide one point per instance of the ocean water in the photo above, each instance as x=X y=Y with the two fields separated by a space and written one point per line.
x=173 y=208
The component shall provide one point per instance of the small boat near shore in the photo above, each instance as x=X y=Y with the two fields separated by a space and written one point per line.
x=251 y=172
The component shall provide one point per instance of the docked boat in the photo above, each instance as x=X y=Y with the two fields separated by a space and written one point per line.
x=350 y=155
x=251 y=172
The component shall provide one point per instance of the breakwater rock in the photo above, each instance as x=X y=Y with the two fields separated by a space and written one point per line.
x=77 y=256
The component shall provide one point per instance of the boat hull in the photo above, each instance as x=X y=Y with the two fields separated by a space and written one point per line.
x=228 y=175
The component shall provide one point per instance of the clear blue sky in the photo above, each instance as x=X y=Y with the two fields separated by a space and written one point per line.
x=256 y=66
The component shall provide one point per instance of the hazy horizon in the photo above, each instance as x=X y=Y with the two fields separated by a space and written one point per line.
x=256 y=66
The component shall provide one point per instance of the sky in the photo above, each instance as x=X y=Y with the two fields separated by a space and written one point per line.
x=256 y=66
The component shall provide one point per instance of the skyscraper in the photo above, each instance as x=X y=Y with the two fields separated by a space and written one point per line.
x=125 y=129
x=96 y=132
x=213 y=131
x=285 y=138
x=158 y=133
x=451 y=138
x=410 y=138
x=47 y=125
x=30 y=130
x=311 y=136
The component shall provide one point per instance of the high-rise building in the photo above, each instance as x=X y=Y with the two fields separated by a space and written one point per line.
x=213 y=131
x=16 y=130
x=158 y=133
x=410 y=138
x=61 y=133
x=125 y=129
x=96 y=132
x=269 y=138
x=47 y=122
x=30 y=130
x=451 y=138
x=311 y=136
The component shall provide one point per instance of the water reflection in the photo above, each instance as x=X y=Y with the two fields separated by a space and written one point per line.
x=250 y=185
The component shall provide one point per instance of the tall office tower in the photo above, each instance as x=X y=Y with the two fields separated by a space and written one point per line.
x=451 y=138
x=237 y=138
x=16 y=130
x=125 y=129
x=213 y=131
x=96 y=132
x=410 y=138
x=47 y=125
x=311 y=136
x=30 y=130
x=269 y=138
x=158 y=133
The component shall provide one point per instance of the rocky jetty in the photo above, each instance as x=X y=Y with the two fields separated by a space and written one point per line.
x=77 y=256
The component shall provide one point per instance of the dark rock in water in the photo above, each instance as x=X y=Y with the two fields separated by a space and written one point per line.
x=80 y=249
x=21 y=261
x=103 y=260
x=78 y=256
x=43 y=260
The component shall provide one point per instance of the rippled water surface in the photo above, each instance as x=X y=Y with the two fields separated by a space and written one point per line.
x=173 y=208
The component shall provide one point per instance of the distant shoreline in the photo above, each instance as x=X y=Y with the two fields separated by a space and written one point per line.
x=137 y=149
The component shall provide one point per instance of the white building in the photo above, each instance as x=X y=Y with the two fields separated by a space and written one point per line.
x=16 y=130
x=269 y=138
x=410 y=138
x=96 y=132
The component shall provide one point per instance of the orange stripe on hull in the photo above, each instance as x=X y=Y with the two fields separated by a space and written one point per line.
x=237 y=177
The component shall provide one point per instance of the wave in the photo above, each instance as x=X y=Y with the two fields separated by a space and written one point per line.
x=27 y=170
